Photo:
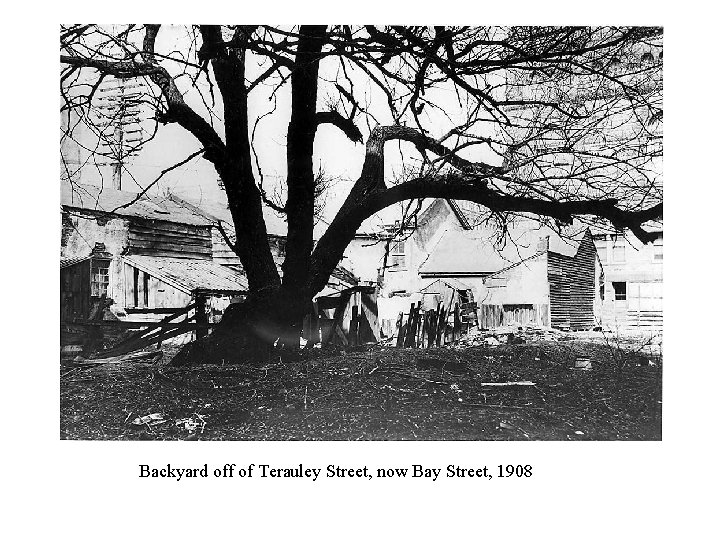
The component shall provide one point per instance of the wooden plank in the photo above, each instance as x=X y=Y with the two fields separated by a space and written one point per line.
x=131 y=325
x=143 y=225
x=336 y=328
x=148 y=340
x=151 y=328
x=141 y=235
x=442 y=327
x=401 y=331
x=411 y=333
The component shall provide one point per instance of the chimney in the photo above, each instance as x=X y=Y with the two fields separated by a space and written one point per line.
x=100 y=252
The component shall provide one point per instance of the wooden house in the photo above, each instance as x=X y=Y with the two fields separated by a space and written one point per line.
x=532 y=276
x=139 y=260
x=537 y=278
x=148 y=256
x=632 y=288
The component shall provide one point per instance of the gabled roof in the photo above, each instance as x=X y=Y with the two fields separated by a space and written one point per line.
x=108 y=200
x=190 y=275
x=477 y=253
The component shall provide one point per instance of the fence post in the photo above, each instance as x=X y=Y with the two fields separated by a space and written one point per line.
x=401 y=334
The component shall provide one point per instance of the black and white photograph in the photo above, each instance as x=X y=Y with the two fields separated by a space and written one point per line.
x=378 y=269
x=361 y=232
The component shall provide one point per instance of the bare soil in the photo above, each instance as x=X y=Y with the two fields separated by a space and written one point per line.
x=373 y=393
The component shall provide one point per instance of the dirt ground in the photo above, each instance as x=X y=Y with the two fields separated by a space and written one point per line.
x=373 y=393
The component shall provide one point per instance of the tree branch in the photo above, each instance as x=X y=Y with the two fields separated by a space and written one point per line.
x=151 y=184
x=345 y=125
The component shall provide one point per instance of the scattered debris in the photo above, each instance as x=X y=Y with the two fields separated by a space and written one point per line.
x=192 y=424
x=583 y=362
x=149 y=420
x=378 y=394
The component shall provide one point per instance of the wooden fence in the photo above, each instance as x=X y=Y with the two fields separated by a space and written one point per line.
x=128 y=336
x=435 y=327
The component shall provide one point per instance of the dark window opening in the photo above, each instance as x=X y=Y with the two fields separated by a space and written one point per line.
x=602 y=292
x=620 y=288
x=146 y=289
x=136 y=276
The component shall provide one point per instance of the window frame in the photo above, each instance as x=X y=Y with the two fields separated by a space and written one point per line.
x=99 y=277
x=619 y=295
x=398 y=254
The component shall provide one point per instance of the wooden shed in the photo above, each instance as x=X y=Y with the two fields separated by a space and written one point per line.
x=537 y=278
x=556 y=287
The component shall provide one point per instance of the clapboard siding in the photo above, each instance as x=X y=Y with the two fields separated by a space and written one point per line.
x=164 y=239
x=572 y=287
x=223 y=254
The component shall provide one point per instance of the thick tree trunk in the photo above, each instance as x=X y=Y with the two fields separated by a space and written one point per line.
x=260 y=329
x=300 y=205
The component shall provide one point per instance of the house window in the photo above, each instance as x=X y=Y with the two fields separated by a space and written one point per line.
x=136 y=276
x=618 y=252
x=397 y=255
x=620 y=288
x=99 y=278
x=602 y=291
x=140 y=289
x=658 y=249
x=146 y=289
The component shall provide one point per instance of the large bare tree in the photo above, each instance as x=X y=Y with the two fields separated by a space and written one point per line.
x=558 y=122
